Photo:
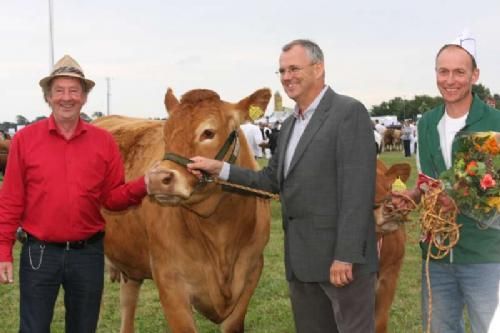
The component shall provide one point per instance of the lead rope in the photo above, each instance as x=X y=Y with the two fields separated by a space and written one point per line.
x=442 y=232
x=266 y=194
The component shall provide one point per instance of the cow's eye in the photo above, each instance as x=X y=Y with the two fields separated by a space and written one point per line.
x=207 y=134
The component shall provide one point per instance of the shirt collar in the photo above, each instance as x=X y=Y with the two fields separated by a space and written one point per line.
x=81 y=127
x=310 y=109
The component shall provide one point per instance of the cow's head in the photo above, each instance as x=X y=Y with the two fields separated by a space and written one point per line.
x=384 y=219
x=199 y=125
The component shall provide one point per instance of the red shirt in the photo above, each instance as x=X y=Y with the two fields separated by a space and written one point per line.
x=54 y=188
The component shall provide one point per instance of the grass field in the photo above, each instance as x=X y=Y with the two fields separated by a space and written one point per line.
x=269 y=310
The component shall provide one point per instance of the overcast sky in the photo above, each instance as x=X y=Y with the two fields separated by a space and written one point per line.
x=374 y=50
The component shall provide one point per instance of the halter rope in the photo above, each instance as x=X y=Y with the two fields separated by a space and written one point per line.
x=233 y=141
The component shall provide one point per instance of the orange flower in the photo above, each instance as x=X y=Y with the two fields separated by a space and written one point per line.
x=471 y=168
x=487 y=182
x=491 y=146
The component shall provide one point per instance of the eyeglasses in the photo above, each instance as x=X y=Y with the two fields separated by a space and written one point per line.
x=292 y=70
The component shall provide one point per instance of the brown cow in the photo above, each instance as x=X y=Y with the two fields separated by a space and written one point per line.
x=4 y=151
x=200 y=244
x=392 y=139
x=391 y=236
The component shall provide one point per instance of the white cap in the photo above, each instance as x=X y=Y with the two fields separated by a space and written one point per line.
x=467 y=42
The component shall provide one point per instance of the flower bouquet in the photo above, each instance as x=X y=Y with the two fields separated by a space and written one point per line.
x=474 y=180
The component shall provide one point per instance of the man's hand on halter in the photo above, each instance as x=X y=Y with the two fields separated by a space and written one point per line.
x=212 y=167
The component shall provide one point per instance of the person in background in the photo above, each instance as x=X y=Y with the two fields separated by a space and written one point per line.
x=324 y=170
x=414 y=141
x=266 y=135
x=407 y=137
x=60 y=172
x=469 y=276
x=254 y=138
x=379 y=127
x=273 y=137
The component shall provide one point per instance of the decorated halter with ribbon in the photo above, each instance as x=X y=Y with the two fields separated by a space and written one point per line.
x=232 y=141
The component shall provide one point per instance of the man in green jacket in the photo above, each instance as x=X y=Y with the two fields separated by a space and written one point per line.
x=470 y=274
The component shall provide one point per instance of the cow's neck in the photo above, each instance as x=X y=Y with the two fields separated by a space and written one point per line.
x=223 y=235
x=207 y=207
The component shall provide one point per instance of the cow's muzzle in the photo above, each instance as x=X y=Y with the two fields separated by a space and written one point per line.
x=168 y=187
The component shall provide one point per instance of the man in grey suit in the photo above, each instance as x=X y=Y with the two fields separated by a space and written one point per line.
x=324 y=169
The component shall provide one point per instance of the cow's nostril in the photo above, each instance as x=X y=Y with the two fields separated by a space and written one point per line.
x=167 y=178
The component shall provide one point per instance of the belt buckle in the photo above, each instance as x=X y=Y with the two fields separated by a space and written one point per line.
x=76 y=245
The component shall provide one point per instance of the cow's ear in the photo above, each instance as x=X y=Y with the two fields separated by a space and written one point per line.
x=171 y=101
x=259 y=98
x=401 y=170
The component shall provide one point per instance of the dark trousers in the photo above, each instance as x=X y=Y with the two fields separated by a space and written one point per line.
x=44 y=269
x=407 y=147
x=322 y=307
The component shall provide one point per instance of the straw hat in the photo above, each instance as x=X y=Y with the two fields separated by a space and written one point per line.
x=66 y=66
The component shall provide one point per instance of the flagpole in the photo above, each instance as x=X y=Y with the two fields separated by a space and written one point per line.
x=51 y=38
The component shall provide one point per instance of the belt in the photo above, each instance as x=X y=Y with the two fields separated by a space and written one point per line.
x=68 y=244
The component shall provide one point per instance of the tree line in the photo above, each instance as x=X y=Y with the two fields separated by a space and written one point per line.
x=410 y=108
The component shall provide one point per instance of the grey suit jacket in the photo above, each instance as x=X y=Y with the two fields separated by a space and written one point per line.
x=327 y=197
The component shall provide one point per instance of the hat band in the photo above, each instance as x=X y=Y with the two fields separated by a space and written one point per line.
x=67 y=69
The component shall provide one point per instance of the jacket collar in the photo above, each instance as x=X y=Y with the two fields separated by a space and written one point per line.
x=477 y=111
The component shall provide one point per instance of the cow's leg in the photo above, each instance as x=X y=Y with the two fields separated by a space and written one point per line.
x=384 y=298
x=391 y=260
x=129 y=295
x=175 y=303
x=235 y=322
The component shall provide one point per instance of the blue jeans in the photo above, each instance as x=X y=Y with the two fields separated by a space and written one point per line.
x=43 y=270
x=455 y=286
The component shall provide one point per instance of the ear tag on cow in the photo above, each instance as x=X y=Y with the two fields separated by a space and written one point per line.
x=255 y=112
x=398 y=185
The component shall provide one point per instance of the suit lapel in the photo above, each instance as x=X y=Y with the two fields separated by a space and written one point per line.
x=286 y=131
x=312 y=127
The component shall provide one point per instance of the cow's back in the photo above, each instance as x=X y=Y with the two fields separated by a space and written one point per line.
x=141 y=143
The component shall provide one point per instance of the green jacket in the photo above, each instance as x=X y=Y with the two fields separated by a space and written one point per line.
x=475 y=245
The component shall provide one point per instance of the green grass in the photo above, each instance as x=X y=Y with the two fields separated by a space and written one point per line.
x=269 y=309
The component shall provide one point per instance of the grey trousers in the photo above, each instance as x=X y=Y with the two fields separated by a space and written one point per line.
x=322 y=307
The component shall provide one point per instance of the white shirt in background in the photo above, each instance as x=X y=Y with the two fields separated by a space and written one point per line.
x=254 y=138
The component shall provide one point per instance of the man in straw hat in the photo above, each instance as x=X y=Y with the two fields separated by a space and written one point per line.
x=60 y=172
x=469 y=276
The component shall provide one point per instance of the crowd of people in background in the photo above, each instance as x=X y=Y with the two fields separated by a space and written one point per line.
x=262 y=137
x=406 y=133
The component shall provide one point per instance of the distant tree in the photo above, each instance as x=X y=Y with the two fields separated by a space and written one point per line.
x=21 y=120
x=97 y=114
x=406 y=108
x=85 y=117
x=497 y=100
x=39 y=118
x=481 y=91
x=6 y=125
